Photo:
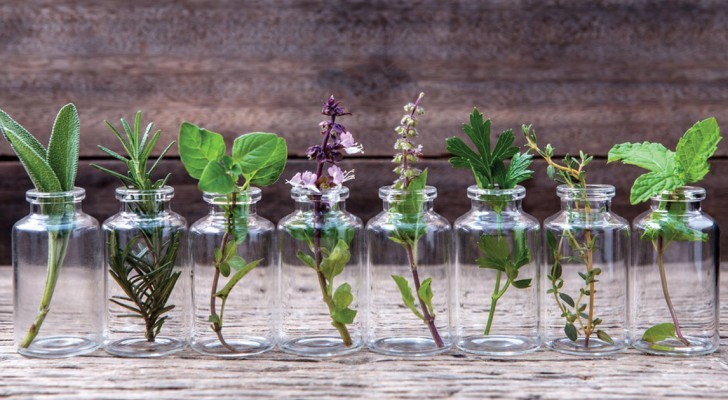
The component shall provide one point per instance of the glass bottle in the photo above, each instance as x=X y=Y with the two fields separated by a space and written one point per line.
x=148 y=288
x=584 y=281
x=408 y=254
x=320 y=261
x=674 y=277
x=497 y=257
x=58 y=283
x=245 y=289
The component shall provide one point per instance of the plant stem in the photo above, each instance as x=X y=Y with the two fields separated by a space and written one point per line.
x=57 y=246
x=663 y=280
x=217 y=327
x=589 y=266
x=429 y=319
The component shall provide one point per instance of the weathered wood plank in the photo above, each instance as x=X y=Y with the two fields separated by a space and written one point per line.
x=541 y=375
x=586 y=75
x=541 y=200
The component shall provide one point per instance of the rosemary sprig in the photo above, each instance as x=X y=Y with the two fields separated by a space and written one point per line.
x=143 y=267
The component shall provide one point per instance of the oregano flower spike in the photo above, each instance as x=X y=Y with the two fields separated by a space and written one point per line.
x=337 y=141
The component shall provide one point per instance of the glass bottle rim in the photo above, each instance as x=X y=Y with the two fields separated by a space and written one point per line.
x=35 y=196
x=304 y=194
x=516 y=193
x=690 y=194
x=389 y=193
x=253 y=195
x=129 y=194
x=592 y=192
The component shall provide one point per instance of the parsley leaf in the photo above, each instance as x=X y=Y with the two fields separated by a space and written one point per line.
x=489 y=167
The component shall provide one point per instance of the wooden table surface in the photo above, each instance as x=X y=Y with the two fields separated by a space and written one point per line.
x=543 y=374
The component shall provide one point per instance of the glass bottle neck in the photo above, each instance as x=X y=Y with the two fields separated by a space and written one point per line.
x=146 y=208
x=316 y=201
x=590 y=206
x=678 y=207
x=46 y=209
x=391 y=205
x=223 y=210
x=496 y=205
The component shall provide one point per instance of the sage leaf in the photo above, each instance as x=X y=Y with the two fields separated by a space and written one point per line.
x=197 y=147
x=31 y=154
x=659 y=333
x=63 y=146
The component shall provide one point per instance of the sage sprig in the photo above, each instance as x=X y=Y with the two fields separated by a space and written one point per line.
x=144 y=266
x=668 y=172
x=491 y=172
x=257 y=159
x=51 y=171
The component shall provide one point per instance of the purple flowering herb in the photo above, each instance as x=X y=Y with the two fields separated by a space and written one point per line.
x=336 y=142
x=408 y=223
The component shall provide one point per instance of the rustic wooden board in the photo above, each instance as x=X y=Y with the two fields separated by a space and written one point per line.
x=586 y=74
x=541 y=375
x=541 y=200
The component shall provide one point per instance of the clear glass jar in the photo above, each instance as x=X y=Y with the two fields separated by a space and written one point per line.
x=233 y=304
x=408 y=252
x=147 y=276
x=320 y=261
x=584 y=281
x=674 y=277
x=58 y=281
x=497 y=257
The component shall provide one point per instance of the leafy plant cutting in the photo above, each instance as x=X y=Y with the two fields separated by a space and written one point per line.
x=407 y=217
x=327 y=242
x=669 y=172
x=143 y=266
x=257 y=159
x=52 y=170
x=579 y=317
x=491 y=172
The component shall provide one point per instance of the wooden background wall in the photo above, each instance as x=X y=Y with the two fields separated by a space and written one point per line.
x=587 y=74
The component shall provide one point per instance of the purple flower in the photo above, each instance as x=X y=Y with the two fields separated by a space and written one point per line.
x=332 y=109
x=338 y=176
x=306 y=180
x=315 y=153
x=346 y=139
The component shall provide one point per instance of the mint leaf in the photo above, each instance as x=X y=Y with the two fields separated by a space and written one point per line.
x=197 y=147
x=694 y=149
x=652 y=184
x=407 y=297
x=659 y=333
x=650 y=156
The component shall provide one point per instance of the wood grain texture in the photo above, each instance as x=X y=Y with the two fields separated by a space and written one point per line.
x=586 y=74
x=187 y=375
x=541 y=200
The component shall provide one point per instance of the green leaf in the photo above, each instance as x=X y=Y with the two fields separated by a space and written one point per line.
x=342 y=296
x=522 y=284
x=333 y=264
x=605 y=336
x=694 y=149
x=496 y=253
x=570 y=331
x=198 y=147
x=425 y=294
x=407 y=297
x=659 y=333
x=214 y=318
x=237 y=276
x=517 y=171
x=236 y=262
x=63 y=146
x=224 y=268
x=652 y=184
x=567 y=299
x=31 y=154
x=306 y=259
x=650 y=156
x=261 y=157
x=215 y=179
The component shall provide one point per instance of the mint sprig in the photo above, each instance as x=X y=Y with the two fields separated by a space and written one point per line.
x=669 y=170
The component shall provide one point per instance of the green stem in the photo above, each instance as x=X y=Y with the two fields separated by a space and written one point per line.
x=663 y=280
x=57 y=246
